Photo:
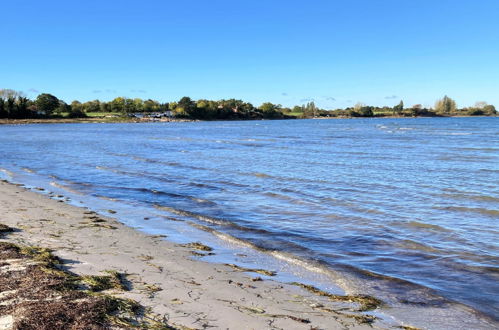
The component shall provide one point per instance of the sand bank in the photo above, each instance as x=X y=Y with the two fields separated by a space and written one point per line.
x=178 y=287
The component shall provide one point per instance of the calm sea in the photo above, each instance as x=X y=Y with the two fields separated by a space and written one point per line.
x=406 y=206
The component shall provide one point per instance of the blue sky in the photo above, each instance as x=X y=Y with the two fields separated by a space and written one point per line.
x=334 y=52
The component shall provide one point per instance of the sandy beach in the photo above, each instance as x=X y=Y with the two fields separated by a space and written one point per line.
x=179 y=288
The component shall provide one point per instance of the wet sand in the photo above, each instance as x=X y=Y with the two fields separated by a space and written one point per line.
x=171 y=279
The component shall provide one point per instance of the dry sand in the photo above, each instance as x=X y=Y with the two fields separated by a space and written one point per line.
x=164 y=276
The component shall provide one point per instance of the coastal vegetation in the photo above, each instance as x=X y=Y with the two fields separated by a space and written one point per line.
x=15 y=105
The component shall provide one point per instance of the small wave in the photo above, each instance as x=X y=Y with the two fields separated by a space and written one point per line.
x=216 y=221
x=108 y=198
x=418 y=224
x=8 y=173
x=65 y=187
x=225 y=237
x=479 y=210
x=488 y=170
x=261 y=175
x=484 y=198
x=164 y=193
x=413 y=245
x=28 y=170
x=171 y=164
x=287 y=257
x=344 y=275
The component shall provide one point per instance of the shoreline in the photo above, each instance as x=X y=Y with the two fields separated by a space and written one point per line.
x=188 y=292
x=124 y=120
x=73 y=232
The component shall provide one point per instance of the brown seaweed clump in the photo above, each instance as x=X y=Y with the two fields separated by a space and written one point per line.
x=5 y=229
x=37 y=294
x=252 y=270
x=197 y=246
x=365 y=302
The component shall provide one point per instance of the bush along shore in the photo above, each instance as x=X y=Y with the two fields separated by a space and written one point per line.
x=46 y=107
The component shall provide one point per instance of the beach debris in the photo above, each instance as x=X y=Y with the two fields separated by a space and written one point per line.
x=97 y=283
x=252 y=270
x=47 y=297
x=96 y=222
x=151 y=289
x=262 y=312
x=197 y=246
x=145 y=257
x=5 y=229
x=42 y=255
x=159 y=268
x=365 y=302
x=176 y=301
x=111 y=211
x=158 y=236
x=199 y=254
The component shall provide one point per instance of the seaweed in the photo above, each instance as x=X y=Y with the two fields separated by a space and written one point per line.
x=5 y=229
x=47 y=297
x=252 y=270
x=366 y=303
x=42 y=255
x=197 y=246
x=97 y=283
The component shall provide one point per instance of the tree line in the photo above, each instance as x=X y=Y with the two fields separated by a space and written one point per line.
x=15 y=105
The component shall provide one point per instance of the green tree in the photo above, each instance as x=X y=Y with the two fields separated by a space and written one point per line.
x=91 y=106
x=22 y=104
x=310 y=109
x=366 y=111
x=76 y=110
x=105 y=107
x=445 y=106
x=3 y=112
x=118 y=104
x=270 y=110
x=485 y=108
x=489 y=109
x=62 y=108
x=398 y=108
x=129 y=106
x=150 y=106
x=187 y=107
x=10 y=107
x=138 y=105
x=46 y=103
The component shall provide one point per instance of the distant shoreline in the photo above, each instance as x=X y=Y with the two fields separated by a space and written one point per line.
x=114 y=120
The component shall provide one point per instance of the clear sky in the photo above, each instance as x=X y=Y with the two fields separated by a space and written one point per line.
x=334 y=52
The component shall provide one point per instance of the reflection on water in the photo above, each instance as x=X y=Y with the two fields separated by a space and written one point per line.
x=411 y=202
